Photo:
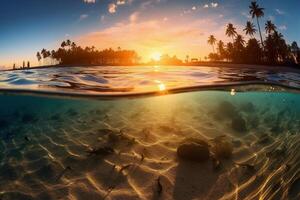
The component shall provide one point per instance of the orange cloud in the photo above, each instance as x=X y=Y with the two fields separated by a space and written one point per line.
x=163 y=36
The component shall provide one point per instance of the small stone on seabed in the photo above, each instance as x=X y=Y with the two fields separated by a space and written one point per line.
x=294 y=189
x=227 y=109
x=103 y=151
x=223 y=149
x=239 y=124
x=248 y=107
x=193 y=152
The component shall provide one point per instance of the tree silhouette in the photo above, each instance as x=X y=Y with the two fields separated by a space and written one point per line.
x=75 y=54
x=68 y=43
x=63 y=44
x=253 y=52
x=295 y=52
x=250 y=29
x=221 y=50
x=212 y=41
x=230 y=51
x=239 y=41
x=231 y=31
x=257 y=12
x=273 y=50
x=270 y=27
x=238 y=45
x=39 y=57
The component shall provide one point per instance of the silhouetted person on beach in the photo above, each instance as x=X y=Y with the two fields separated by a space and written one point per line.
x=14 y=66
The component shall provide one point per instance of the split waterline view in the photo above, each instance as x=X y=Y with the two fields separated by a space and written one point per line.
x=150 y=100
x=222 y=135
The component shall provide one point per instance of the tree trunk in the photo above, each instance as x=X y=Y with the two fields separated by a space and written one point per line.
x=261 y=40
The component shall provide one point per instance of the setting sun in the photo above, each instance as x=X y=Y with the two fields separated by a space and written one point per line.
x=156 y=56
x=150 y=99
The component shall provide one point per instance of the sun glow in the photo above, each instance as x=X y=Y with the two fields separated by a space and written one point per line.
x=161 y=86
x=156 y=56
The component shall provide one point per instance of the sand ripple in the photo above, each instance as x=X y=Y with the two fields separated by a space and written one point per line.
x=61 y=155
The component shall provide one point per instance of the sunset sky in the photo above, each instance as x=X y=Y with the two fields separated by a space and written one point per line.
x=178 y=27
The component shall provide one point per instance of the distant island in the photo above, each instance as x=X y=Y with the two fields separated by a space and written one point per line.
x=69 y=53
x=273 y=50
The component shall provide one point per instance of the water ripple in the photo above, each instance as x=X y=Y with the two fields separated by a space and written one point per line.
x=139 y=79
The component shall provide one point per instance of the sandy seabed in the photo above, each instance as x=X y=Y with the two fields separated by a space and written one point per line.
x=126 y=149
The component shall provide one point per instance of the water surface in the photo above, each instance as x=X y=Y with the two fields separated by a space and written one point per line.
x=125 y=148
x=140 y=79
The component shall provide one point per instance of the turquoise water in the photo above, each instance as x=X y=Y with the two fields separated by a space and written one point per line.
x=47 y=143
x=80 y=142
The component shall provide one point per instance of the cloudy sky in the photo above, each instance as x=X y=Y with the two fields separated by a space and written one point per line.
x=178 y=27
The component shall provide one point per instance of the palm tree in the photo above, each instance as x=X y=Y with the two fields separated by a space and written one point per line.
x=295 y=50
x=63 y=44
x=212 y=41
x=254 y=52
x=250 y=29
x=239 y=53
x=68 y=42
x=73 y=45
x=231 y=31
x=229 y=51
x=270 y=27
x=221 y=50
x=257 y=12
x=38 y=55
x=239 y=41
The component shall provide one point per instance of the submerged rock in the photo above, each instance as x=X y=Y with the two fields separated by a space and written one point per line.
x=277 y=153
x=192 y=151
x=115 y=138
x=29 y=118
x=223 y=149
x=216 y=163
x=55 y=117
x=227 y=109
x=159 y=186
x=197 y=141
x=276 y=129
x=239 y=124
x=248 y=107
x=264 y=139
x=253 y=122
x=101 y=151
x=72 y=112
x=294 y=189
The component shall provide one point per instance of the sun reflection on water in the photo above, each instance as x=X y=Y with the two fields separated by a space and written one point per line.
x=161 y=86
x=156 y=68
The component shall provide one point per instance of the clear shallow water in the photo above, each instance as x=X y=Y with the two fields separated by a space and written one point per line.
x=125 y=148
x=47 y=143
x=139 y=79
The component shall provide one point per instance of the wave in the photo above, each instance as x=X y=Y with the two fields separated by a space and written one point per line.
x=124 y=81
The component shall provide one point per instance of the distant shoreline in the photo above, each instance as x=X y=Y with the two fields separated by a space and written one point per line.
x=198 y=64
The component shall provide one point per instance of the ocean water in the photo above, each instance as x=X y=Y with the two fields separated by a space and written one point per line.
x=123 y=80
x=57 y=143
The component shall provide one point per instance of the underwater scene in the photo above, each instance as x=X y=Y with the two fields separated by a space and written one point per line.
x=241 y=142
x=149 y=100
